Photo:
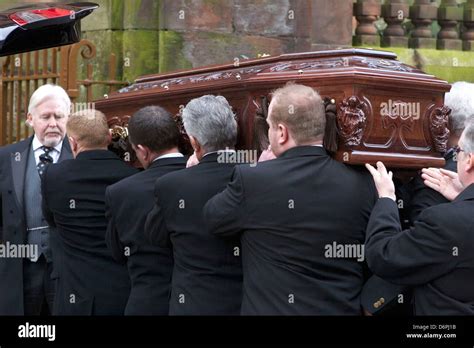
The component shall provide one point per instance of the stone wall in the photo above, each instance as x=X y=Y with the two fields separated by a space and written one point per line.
x=150 y=36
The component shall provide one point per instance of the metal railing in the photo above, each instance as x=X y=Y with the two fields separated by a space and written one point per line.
x=23 y=73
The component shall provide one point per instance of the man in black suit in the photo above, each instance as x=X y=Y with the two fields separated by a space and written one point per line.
x=207 y=273
x=380 y=296
x=154 y=136
x=90 y=282
x=434 y=256
x=26 y=284
x=302 y=217
x=460 y=100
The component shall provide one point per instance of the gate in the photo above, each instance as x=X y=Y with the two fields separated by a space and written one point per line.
x=23 y=73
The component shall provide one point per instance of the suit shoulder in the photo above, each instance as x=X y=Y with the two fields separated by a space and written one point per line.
x=443 y=214
x=60 y=166
x=130 y=182
x=358 y=171
x=7 y=150
x=127 y=169
x=176 y=176
x=259 y=167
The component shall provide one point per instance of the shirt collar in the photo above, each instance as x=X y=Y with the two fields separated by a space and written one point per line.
x=37 y=144
x=169 y=155
x=219 y=151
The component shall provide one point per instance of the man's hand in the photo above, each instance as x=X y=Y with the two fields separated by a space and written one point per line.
x=192 y=161
x=383 y=180
x=267 y=155
x=443 y=181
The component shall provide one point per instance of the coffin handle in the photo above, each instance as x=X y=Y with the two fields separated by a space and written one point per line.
x=330 y=134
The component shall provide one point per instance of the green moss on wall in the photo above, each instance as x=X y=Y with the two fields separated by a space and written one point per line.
x=171 y=56
x=447 y=65
x=140 y=53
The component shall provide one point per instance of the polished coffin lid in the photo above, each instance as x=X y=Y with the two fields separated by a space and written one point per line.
x=381 y=108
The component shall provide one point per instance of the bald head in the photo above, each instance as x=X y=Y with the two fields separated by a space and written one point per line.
x=301 y=109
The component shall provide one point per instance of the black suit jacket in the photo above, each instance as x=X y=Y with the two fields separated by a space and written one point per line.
x=13 y=164
x=422 y=196
x=128 y=203
x=90 y=281
x=434 y=255
x=290 y=212
x=380 y=296
x=207 y=274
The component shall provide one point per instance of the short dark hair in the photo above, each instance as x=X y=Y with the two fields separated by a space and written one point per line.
x=153 y=127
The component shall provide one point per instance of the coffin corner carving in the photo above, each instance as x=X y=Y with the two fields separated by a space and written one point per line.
x=439 y=120
x=351 y=121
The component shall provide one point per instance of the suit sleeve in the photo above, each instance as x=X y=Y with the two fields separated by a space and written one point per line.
x=423 y=197
x=1 y=212
x=155 y=226
x=410 y=257
x=112 y=238
x=47 y=213
x=224 y=214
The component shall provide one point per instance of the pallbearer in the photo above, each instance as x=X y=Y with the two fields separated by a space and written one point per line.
x=90 y=281
x=154 y=137
x=301 y=217
x=207 y=274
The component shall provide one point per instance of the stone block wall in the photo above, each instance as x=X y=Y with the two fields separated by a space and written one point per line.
x=150 y=36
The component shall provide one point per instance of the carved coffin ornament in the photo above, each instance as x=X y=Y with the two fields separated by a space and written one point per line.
x=439 y=128
x=367 y=94
x=351 y=121
x=120 y=145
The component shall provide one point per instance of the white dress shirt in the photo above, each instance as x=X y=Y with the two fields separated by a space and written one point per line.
x=169 y=155
x=36 y=146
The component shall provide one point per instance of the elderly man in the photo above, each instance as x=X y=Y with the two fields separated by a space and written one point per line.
x=417 y=196
x=154 y=136
x=207 y=274
x=434 y=256
x=461 y=102
x=26 y=286
x=301 y=217
x=90 y=282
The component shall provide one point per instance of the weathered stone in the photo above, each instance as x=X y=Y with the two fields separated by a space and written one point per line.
x=171 y=52
x=191 y=15
x=141 y=14
x=422 y=42
x=140 y=53
x=108 y=16
x=394 y=41
x=303 y=18
x=454 y=13
x=300 y=45
x=327 y=31
x=211 y=48
x=265 y=17
x=367 y=12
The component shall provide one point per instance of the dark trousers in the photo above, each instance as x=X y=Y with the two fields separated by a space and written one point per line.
x=38 y=287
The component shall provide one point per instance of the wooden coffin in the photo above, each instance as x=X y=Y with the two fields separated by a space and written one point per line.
x=383 y=109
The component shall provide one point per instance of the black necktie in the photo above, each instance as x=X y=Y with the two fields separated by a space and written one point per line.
x=44 y=159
